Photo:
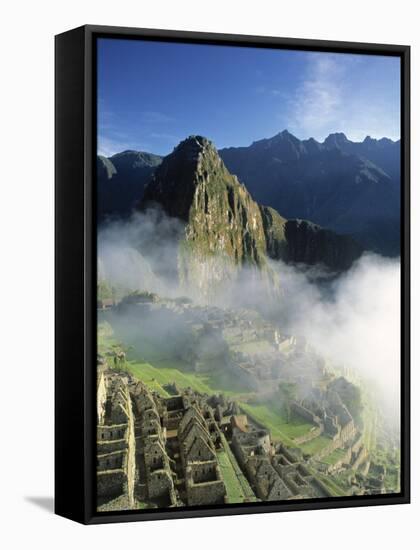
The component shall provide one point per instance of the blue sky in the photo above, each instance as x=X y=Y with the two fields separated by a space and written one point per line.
x=151 y=95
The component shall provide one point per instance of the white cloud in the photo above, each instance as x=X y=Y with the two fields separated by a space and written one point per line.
x=319 y=98
x=108 y=146
x=330 y=99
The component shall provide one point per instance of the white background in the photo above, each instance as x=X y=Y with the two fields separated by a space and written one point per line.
x=26 y=252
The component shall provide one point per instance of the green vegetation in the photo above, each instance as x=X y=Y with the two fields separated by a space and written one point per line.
x=276 y=422
x=331 y=485
x=315 y=445
x=165 y=372
x=288 y=393
x=351 y=396
x=387 y=460
x=105 y=337
x=156 y=371
x=369 y=424
x=274 y=229
x=158 y=377
x=142 y=505
x=392 y=479
x=110 y=348
x=104 y=290
x=258 y=346
x=139 y=296
x=237 y=486
x=335 y=456
x=233 y=487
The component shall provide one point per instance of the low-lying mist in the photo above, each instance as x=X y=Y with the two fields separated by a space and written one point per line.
x=356 y=323
x=354 y=319
x=141 y=253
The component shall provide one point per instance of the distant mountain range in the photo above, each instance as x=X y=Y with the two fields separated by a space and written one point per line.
x=351 y=188
x=225 y=229
x=121 y=179
x=345 y=187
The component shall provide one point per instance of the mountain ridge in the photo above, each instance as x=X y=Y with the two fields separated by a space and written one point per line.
x=120 y=179
x=223 y=219
x=348 y=187
x=344 y=186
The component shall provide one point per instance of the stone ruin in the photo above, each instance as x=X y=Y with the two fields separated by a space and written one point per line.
x=275 y=473
x=116 y=465
x=157 y=451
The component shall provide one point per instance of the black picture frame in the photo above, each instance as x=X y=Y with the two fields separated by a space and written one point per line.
x=75 y=272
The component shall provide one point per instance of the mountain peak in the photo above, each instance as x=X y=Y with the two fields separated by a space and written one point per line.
x=194 y=141
x=222 y=222
x=193 y=149
x=369 y=140
x=194 y=162
x=125 y=152
x=285 y=134
x=336 y=139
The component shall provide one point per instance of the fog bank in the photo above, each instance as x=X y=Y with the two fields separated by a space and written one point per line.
x=353 y=320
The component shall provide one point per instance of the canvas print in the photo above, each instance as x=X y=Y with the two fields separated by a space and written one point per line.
x=248 y=275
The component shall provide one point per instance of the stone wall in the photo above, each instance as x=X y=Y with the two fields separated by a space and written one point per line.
x=110 y=446
x=112 y=432
x=112 y=461
x=115 y=440
x=201 y=472
x=312 y=434
x=206 y=493
x=346 y=434
x=305 y=413
x=111 y=484
x=160 y=485
x=360 y=458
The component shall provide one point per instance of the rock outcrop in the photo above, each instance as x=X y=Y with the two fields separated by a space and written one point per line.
x=194 y=185
x=303 y=242
x=223 y=224
x=225 y=229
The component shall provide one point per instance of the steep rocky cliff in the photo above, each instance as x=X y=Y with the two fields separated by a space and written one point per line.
x=275 y=233
x=303 y=242
x=194 y=185
x=310 y=244
x=223 y=225
x=226 y=229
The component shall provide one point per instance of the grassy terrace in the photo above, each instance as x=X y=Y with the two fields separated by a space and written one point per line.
x=237 y=486
x=316 y=445
x=157 y=371
x=332 y=486
x=155 y=378
x=275 y=421
x=233 y=487
x=164 y=372
x=335 y=456
x=253 y=347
